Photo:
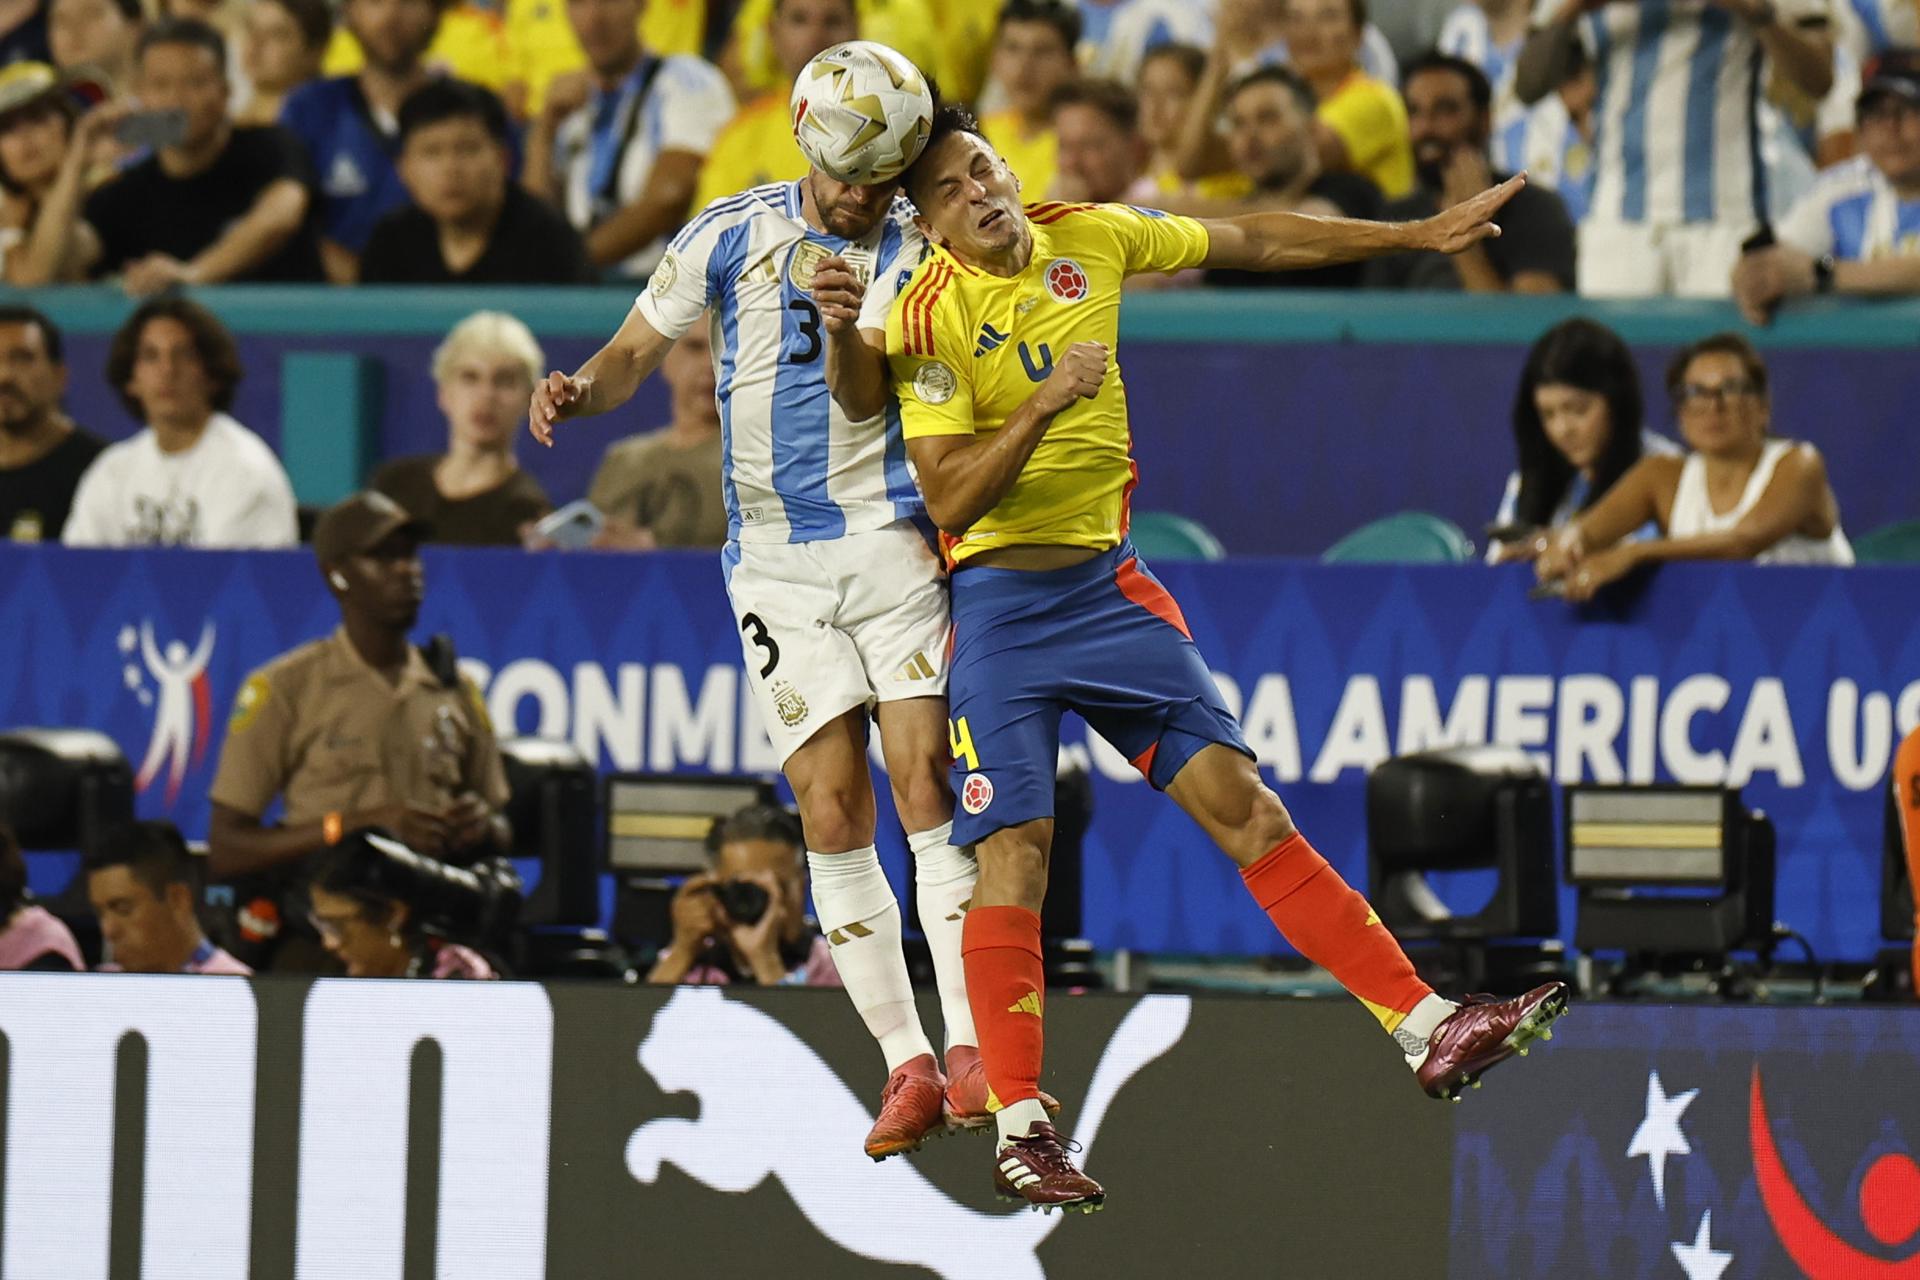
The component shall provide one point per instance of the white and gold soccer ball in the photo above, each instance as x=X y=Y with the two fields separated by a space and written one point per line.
x=861 y=112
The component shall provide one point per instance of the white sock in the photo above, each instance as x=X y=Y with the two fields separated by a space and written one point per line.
x=944 y=877
x=861 y=919
x=1418 y=1027
x=1017 y=1119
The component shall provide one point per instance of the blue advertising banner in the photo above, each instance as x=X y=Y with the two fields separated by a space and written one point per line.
x=1794 y=684
x=1715 y=1144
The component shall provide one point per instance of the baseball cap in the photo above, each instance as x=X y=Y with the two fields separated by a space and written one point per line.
x=25 y=83
x=359 y=524
x=1895 y=72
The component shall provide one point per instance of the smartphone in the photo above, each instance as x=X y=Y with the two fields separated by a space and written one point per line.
x=152 y=129
x=573 y=526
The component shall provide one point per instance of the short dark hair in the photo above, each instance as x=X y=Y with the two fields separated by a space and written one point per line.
x=1191 y=58
x=1284 y=76
x=20 y=313
x=1109 y=97
x=757 y=822
x=441 y=100
x=948 y=119
x=13 y=873
x=154 y=852
x=211 y=342
x=187 y=31
x=1063 y=17
x=314 y=18
x=1479 y=88
x=1728 y=344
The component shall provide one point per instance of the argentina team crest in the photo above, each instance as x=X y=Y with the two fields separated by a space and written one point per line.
x=1067 y=280
x=788 y=704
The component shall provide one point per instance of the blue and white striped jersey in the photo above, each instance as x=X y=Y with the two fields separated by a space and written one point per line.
x=1678 y=136
x=1544 y=141
x=1853 y=213
x=1874 y=26
x=1466 y=34
x=794 y=468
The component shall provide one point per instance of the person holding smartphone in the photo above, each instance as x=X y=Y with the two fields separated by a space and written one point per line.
x=212 y=202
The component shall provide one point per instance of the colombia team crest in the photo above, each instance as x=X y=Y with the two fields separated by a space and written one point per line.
x=1067 y=280
x=976 y=793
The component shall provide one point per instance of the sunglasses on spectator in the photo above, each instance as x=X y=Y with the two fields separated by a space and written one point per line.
x=1698 y=395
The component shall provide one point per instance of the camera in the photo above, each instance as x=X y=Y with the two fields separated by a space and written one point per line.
x=743 y=900
x=473 y=902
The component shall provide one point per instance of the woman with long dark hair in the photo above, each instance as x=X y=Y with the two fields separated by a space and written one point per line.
x=1577 y=426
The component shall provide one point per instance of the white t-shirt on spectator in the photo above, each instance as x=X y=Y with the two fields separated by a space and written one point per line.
x=1853 y=213
x=1135 y=28
x=1693 y=514
x=1679 y=139
x=228 y=490
x=607 y=149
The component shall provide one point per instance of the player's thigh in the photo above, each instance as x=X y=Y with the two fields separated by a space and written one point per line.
x=1221 y=789
x=1702 y=259
x=802 y=671
x=894 y=605
x=1005 y=740
x=1620 y=260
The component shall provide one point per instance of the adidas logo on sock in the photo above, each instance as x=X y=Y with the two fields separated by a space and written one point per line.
x=840 y=937
x=1028 y=1003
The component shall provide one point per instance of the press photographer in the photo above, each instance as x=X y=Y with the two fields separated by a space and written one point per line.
x=388 y=912
x=745 y=920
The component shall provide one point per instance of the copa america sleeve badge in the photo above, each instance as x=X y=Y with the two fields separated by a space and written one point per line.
x=934 y=383
x=664 y=275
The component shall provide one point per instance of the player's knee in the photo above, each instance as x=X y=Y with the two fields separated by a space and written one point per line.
x=836 y=818
x=924 y=796
x=1013 y=865
x=1265 y=824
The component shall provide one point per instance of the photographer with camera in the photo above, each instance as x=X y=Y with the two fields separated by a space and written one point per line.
x=388 y=912
x=746 y=921
x=359 y=729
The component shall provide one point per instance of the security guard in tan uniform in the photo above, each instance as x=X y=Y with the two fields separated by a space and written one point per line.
x=355 y=730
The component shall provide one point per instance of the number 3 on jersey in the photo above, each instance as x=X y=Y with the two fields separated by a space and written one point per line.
x=960 y=739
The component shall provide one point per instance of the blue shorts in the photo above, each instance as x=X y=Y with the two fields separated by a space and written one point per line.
x=1103 y=639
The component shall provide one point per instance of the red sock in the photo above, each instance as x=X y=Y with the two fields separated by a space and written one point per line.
x=1000 y=948
x=1331 y=925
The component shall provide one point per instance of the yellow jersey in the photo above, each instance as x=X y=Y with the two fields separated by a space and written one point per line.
x=1033 y=157
x=967 y=348
x=1371 y=120
x=757 y=146
x=468 y=45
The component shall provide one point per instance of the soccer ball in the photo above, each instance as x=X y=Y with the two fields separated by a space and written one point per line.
x=861 y=112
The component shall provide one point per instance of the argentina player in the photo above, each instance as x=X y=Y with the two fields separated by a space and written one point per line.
x=840 y=600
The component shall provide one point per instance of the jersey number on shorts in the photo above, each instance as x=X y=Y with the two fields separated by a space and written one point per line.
x=809 y=329
x=761 y=640
x=960 y=739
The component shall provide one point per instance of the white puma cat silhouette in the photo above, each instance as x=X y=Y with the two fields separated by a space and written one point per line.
x=729 y=1054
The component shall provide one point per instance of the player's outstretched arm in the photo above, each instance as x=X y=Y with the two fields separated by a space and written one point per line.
x=606 y=381
x=1299 y=241
x=964 y=477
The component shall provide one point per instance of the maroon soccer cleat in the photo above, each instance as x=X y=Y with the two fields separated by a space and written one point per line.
x=966 y=1105
x=1039 y=1169
x=910 y=1108
x=1484 y=1032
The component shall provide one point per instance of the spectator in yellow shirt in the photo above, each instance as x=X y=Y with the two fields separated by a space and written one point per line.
x=541 y=45
x=1032 y=58
x=1362 y=123
x=468 y=45
x=909 y=26
x=757 y=145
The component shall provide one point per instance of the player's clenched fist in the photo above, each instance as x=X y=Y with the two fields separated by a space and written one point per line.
x=1077 y=375
x=555 y=398
x=838 y=293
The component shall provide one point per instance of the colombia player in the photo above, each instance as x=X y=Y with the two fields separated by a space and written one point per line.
x=1016 y=422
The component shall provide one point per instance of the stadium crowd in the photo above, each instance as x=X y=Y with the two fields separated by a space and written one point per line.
x=1745 y=149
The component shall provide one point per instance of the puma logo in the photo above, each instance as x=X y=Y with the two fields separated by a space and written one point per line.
x=771 y=1108
x=1028 y=1003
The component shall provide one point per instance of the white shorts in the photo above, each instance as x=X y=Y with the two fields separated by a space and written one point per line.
x=1643 y=260
x=832 y=625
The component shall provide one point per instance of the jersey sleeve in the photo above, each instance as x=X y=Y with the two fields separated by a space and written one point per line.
x=1808 y=226
x=927 y=355
x=1151 y=240
x=696 y=107
x=253 y=759
x=691 y=274
x=889 y=278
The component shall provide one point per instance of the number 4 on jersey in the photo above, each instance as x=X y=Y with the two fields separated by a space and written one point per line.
x=960 y=739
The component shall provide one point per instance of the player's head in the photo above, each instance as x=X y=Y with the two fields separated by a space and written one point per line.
x=969 y=201
x=140 y=882
x=850 y=209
